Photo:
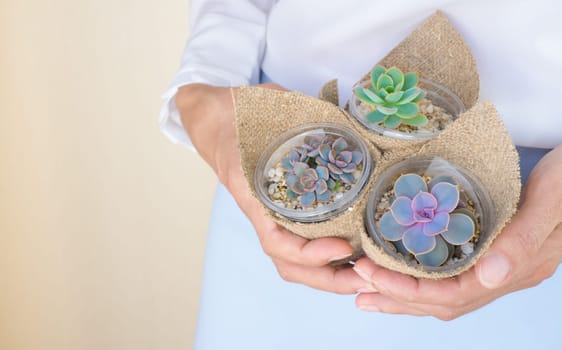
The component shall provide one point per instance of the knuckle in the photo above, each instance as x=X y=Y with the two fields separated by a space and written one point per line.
x=528 y=243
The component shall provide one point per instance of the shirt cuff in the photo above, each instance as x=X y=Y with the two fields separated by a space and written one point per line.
x=170 y=121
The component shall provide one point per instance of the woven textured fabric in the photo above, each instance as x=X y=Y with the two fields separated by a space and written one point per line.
x=477 y=141
x=284 y=111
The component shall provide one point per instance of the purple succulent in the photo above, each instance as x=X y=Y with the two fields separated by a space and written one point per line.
x=312 y=144
x=308 y=183
x=340 y=160
x=296 y=155
x=423 y=221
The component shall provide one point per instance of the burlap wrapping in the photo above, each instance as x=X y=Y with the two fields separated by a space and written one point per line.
x=261 y=116
x=476 y=141
x=479 y=142
x=436 y=51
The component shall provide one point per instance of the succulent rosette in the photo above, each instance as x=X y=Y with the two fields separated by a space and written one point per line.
x=423 y=221
x=341 y=161
x=308 y=184
x=395 y=96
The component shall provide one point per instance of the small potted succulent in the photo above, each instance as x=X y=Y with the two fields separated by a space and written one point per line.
x=429 y=213
x=313 y=172
x=401 y=105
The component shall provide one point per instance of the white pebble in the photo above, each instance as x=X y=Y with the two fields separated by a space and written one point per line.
x=279 y=172
x=467 y=248
x=338 y=195
x=271 y=189
x=277 y=178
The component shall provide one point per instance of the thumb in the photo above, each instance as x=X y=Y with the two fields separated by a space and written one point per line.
x=518 y=244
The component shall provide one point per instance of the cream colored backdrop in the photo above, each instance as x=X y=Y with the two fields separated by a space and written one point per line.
x=102 y=220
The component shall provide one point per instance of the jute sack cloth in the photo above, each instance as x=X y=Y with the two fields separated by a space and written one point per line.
x=261 y=116
x=437 y=52
x=477 y=141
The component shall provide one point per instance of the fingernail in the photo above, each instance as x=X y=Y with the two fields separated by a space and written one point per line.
x=362 y=274
x=340 y=257
x=493 y=270
x=369 y=308
x=367 y=289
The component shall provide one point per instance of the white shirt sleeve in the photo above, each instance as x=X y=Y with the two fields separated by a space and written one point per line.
x=225 y=48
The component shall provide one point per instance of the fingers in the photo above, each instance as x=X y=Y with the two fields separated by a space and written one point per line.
x=412 y=290
x=376 y=302
x=282 y=244
x=519 y=243
x=327 y=278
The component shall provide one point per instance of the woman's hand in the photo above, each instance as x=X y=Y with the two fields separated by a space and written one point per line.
x=207 y=115
x=527 y=252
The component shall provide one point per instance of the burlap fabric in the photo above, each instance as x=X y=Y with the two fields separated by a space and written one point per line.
x=437 y=52
x=264 y=114
x=476 y=141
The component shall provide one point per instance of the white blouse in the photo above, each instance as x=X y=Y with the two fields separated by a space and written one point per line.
x=303 y=44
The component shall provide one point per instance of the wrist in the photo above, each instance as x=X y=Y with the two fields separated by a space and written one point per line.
x=205 y=112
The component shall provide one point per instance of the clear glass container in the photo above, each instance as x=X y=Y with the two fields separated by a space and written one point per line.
x=438 y=94
x=471 y=190
x=280 y=147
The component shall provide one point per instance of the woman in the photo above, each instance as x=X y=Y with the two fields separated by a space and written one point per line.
x=301 y=45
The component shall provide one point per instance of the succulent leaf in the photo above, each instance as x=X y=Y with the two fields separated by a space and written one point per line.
x=409 y=185
x=407 y=111
x=396 y=75
x=390 y=229
x=376 y=73
x=308 y=199
x=339 y=145
x=376 y=116
x=384 y=82
x=394 y=97
x=372 y=97
x=418 y=120
x=322 y=172
x=416 y=242
x=460 y=230
x=389 y=111
x=447 y=196
x=410 y=95
x=356 y=157
x=437 y=225
x=402 y=211
x=392 y=122
x=420 y=97
x=291 y=194
x=424 y=200
x=347 y=178
x=323 y=196
x=437 y=256
x=410 y=80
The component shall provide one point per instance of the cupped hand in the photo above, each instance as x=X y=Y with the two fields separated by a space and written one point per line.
x=207 y=114
x=528 y=251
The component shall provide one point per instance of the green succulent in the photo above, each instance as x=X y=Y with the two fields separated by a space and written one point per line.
x=395 y=96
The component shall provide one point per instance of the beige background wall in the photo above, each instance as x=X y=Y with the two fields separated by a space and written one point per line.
x=102 y=220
